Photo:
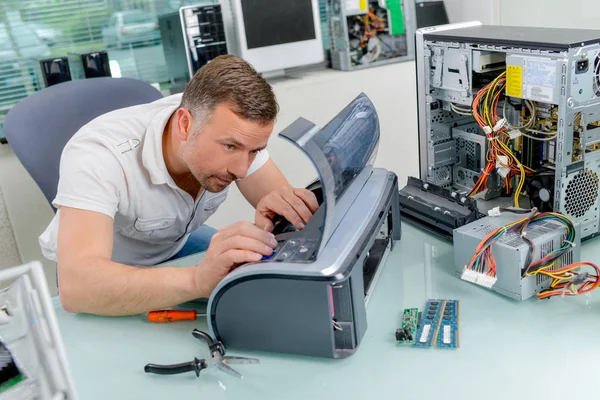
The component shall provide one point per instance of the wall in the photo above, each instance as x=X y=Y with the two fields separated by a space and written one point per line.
x=486 y=11
x=550 y=13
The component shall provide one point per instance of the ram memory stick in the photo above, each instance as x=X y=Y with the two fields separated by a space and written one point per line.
x=410 y=319
x=447 y=337
x=429 y=323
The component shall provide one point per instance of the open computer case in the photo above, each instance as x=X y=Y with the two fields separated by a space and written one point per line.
x=532 y=95
x=33 y=363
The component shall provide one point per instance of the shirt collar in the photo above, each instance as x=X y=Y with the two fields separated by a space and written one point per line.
x=152 y=152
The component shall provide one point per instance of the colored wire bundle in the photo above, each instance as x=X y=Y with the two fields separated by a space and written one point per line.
x=499 y=154
x=372 y=25
x=483 y=260
x=569 y=280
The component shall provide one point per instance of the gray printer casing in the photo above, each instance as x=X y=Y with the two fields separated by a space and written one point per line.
x=317 y=306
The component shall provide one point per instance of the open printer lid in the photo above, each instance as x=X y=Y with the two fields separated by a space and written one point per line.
x=342 y=152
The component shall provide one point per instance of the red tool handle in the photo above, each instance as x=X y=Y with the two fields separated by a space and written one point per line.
x=172 y=315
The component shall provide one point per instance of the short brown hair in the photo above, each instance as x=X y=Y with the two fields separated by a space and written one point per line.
x=229 y=79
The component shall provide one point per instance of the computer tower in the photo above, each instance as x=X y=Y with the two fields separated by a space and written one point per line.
x=52 y=71
x=86 y=65
x=367 y=33
x=191 y=38
x=510 y=116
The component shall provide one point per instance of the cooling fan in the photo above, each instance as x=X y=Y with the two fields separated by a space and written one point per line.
x=540 y=189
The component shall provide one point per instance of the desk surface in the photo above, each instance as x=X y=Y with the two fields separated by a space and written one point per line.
x=509 y=350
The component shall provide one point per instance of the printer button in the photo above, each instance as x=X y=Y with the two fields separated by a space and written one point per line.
x=279 y=245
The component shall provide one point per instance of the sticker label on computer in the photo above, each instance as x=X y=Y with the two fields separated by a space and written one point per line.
x=356 y=6
x=514 y=81
x=539 y=80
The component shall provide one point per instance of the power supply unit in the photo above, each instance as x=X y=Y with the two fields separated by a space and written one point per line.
x=512 y=253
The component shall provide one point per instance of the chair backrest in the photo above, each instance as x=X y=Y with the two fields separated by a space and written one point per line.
x=40 y=126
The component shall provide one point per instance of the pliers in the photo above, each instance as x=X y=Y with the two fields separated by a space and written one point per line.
x=218 y=360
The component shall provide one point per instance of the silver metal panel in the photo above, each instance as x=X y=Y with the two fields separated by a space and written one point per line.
x=444 y=153
x=511 y=251
x=422 y=58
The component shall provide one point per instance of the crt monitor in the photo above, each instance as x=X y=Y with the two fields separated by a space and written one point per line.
x=278 y=34
x=431 y=13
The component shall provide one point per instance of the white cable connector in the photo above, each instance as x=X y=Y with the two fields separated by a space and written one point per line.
x=500 y=162
x=514 y=134
x=494 y=212
x=499 y=124
x=478 y=278
x=487 y=130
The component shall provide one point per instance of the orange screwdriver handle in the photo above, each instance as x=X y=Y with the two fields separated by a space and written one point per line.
x=171 y=315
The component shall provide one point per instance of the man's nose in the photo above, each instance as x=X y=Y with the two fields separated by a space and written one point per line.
x=239 y=168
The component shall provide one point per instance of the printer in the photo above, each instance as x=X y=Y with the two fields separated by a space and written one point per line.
x=310 y=296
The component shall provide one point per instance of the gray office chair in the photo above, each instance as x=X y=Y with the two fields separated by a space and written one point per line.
x=39 y=126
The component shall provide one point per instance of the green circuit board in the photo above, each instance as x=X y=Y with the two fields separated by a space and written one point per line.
x=406 y=333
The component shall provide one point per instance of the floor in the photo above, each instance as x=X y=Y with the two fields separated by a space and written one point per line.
x=26 y=212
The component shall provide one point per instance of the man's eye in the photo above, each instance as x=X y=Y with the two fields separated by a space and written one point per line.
x=255 y=152
x=229 y=147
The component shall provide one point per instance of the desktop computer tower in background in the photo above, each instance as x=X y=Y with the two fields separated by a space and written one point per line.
x=368 y=33
x=89 y=65
x=191 y=38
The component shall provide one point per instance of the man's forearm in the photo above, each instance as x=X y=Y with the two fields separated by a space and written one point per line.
x=103 y=287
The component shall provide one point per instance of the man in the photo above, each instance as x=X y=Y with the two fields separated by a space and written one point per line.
x=134 y=183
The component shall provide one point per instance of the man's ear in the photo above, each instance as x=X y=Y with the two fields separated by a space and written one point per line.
x=185 y=124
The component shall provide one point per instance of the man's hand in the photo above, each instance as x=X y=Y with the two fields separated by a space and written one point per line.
x=231 y=246
x=294 y=204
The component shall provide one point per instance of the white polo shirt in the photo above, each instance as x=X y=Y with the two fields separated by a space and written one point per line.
x=114 y=165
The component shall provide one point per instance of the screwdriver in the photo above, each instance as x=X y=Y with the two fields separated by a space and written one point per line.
x=173 y=315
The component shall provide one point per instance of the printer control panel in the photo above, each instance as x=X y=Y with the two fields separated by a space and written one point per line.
x=293 y=250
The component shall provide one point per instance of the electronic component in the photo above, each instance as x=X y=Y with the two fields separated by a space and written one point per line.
x=33 y=362
x=274 y=35
x=436 y=209
x=510 y=116
x=540 y=190
x=430 y=13
x=503 y=252
x=484 y=61
x=406 y=334
x=429 y=323
x=10 y=375
x=367 y=33
x=448 y=333
x=191 y=38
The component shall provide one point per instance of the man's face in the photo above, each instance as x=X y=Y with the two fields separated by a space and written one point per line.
x=224 y=148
